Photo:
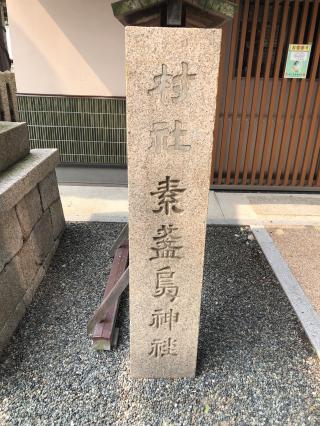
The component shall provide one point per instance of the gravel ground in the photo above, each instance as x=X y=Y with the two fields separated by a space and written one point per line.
x=255 y=365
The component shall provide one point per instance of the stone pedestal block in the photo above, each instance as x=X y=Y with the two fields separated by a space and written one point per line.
x=41 y=238
x=20 y=179
x=28 y=262
x=30 y=230
x=14 y=143
x=11 y=285
x=29 y=211
x=49 y=190
x=10 y=236
x=11 y=324
x=29 y=294
x=57 y=218
x=171 y=89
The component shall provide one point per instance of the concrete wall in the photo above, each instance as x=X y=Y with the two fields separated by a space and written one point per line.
x=67 y=47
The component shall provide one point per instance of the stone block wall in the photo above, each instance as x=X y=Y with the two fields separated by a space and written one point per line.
x=31 y=225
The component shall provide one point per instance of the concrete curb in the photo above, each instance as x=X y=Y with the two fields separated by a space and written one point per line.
x=307 y=315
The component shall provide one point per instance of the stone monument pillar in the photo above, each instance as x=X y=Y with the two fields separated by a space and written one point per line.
x=172 y=78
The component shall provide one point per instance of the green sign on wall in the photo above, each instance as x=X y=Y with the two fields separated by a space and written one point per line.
x=297 y=61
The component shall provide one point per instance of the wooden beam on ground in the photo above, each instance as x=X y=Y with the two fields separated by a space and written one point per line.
x=121 y=240
x=101 y=326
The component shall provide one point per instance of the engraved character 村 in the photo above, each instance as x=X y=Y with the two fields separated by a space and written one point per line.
x=181 y=83
x=162 y=83
x=172 y=88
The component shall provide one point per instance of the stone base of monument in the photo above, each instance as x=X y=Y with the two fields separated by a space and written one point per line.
x=31 y=225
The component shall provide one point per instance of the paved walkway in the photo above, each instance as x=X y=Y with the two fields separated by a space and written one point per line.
x=108 y=204
x=300 y=247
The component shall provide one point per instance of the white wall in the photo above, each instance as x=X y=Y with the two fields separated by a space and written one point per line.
x=69 y=47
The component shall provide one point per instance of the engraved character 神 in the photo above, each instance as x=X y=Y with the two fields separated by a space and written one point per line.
x=161 y=318
x=165 y=283
x=168 y=192
x=161 y=348
x=165 y=243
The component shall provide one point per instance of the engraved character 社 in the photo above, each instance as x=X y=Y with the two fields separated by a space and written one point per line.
x=161 y=318
x=167 y=192
x=160 y=348
x=178 y=133
x=165 y=285
x=161 y=133
x=159 y=136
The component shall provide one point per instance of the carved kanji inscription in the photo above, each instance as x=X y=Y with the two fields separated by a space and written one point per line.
x=163 y=347
x=163 y=138
x=165 y=283
x=172 y=88
x=168 y=192
x=166 y=243
x=164 y=318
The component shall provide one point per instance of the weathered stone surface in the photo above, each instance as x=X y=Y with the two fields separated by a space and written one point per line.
x=14 y=143
x=57 y=217
x=41 y=238
x=10 y=236
x=11 y=324
x=29 y=211
x=8 y=91
x=29 y=294
x=49 y=190
x=28 y=262
x=50 y=255
x=11 y=290
x=21 y=178
x=40 y=273
x=171 y=90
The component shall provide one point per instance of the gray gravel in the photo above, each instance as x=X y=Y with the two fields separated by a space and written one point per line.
x=255 y=365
